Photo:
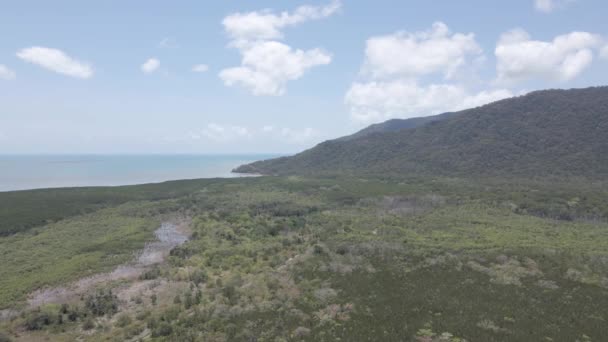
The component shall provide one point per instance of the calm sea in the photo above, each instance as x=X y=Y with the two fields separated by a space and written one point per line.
x=20 y=172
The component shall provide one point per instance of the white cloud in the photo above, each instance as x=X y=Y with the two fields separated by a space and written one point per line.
x=57 y=61
x=520 y=58
x=291 y=135
x=298 y=136
x=544 y=5
x=267 y=25
x=548 y=6
x=420 y=53
x=200 y=68
x=378 y=101
x=397 y=65
x=168 y=43
x=267 y=65
x=604 y=52
x=222 y=133
x=6 y=73
x=150 y=66
x=226 y=134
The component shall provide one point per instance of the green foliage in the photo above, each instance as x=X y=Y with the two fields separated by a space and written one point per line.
x=395 y=125
x=4 y=337
x=557 y=133
x=163 y=329
x=123 y=320
x=102 y=303
x=24 y=210
x=324 y=259
x=70 y=249
x=198 y=277
x=88 y=324
x=37 y=320
x=152 y=273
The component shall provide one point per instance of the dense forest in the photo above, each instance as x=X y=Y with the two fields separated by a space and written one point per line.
x=556 y=133
x=313 y=259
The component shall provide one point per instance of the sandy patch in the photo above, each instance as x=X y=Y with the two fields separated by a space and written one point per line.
x=168 y=235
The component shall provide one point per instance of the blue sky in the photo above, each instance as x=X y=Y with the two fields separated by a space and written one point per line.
x=272 y=76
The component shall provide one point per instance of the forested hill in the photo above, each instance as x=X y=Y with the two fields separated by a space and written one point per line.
x=395 y=125
x=552 y=132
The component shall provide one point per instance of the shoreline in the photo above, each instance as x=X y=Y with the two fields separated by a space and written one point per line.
x=36 y=172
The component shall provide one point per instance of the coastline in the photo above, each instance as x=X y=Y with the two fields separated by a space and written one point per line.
x=33 y=172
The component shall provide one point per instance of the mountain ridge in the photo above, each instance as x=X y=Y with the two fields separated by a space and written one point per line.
x=394 y=125
x=549 y=132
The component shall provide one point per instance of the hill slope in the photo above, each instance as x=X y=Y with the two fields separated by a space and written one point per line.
x=551 y=132
x=395 y=125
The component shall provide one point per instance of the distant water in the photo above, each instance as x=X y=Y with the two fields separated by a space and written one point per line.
x=20 y=172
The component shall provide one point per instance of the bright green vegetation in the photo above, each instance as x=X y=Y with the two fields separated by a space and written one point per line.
x=72 y=248
x=317 y=259
x=557 y=133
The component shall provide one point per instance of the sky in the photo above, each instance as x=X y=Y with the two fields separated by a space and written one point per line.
x=245 y=76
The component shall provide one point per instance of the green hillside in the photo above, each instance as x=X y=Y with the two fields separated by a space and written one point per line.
x=559 y=133
x=395 y=125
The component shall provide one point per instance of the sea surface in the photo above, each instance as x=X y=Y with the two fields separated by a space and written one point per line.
x=21 y=172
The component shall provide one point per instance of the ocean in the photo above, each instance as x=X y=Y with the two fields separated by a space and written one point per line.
x=22 y=172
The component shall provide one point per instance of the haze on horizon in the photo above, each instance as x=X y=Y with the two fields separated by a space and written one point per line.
x=270 y=76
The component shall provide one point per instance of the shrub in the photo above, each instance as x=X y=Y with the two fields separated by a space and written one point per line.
x=318 y=250
x=4 y=337
x=133 y=331
x=188 y=301
x=88 y=324
x=102 y=303
x=153 y=298
x=163 y=329
x=198 y=296
x=150 y=274
x=342 y=250
x=73 y=315
x=198 y=277
x=181 y=252
x=37 y=320
x=123 y=320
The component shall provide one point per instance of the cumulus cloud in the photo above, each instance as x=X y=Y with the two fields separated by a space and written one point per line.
x=267 y=25
x=200 y=68
x=397 y=65
x=419 y=53
x=57 y=61
x=378 y=101
x=150 y=66
x=548 y=6
x=520 y=58
x=6 y=73
x=267 y=64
